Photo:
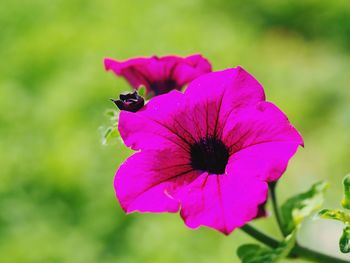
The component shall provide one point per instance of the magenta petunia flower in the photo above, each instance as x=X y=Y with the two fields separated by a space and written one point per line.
x=208 y=152
x=159 y=74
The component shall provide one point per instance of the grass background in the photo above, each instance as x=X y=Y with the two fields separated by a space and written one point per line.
x=57 y=201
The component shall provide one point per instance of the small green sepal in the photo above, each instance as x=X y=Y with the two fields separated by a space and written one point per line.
x=346 y=187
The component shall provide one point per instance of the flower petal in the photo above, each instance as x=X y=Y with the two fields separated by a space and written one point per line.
x=169 y=121
x=223 y=202
x=266 y=161
x=231 y=89
x=199 y=62
x=260 y=123
x=152 y=126
x=133 y=70
x=191 y=68
x=159 y=74
x=141 y=182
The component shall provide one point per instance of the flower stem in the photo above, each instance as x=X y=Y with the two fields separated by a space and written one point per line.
x=276 y=210
x=315 y=256
x=260 y=236
x=297 y=251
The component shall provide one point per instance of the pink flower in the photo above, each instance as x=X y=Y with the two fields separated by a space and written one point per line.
x=208 y=152
x=159 y=74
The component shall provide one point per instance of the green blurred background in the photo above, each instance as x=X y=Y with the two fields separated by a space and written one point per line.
x=57 y=200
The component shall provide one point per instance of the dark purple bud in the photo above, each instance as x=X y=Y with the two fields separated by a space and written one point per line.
x=130 y=101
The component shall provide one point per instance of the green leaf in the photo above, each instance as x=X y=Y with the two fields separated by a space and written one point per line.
x=253 y=253
x=142 y=91
x=113 y=115
x=110 y=112
x=297 y=208
x=109 y=134
x=111 y=131
x=346 y=186
x=344 y=242
x=335 y=214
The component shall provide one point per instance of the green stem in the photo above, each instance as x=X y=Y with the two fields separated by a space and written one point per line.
x=316 y=256
x=260 y=236
x=276 y=210
x=298 y=251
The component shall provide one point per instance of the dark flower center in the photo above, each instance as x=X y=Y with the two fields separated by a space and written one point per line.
x=209 y=154
x=163 y=86
x=129 y=101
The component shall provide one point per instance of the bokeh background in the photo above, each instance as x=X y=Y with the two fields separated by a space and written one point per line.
x=57 y=200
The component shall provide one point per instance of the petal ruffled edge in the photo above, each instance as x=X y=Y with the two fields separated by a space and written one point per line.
x=234 y=88
x=222 y=202
x=261 y=123
x=199 y=62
